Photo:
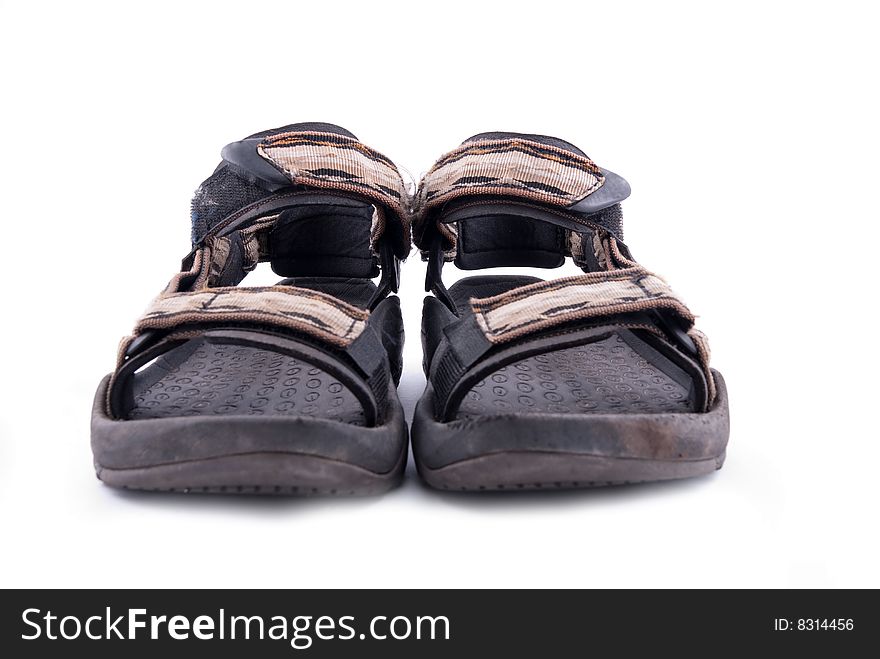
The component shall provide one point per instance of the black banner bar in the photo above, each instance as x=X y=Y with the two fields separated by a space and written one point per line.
x=423 y=623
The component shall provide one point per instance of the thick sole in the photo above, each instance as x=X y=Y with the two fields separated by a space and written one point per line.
x=532 y=470
x=257 y=473
x=275 y=455
x=543 y=451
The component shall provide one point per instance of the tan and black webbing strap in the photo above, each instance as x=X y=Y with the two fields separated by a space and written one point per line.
x=544 y=305
x=537 y=172
x=300 y=160
x=324 y=317
x=336 y=162
x=512 y=167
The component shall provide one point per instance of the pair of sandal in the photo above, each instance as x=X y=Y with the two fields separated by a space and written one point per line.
x=291 y=389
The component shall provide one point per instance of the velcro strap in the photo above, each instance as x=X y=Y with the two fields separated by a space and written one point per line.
x=511 y=167
x=314 y=313
x=544 y=305
x=508 y=199
x=625 y=298
x=338 y=162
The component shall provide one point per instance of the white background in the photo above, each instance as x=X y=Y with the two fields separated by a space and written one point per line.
x=749 y=135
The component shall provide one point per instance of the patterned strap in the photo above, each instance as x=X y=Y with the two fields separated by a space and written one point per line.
x=512 y=167
x=544 y=305
x=337 y=162
x=515 y=168
x=317 y=314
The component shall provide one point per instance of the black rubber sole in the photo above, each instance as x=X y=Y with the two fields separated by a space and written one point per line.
x=546 y=451
x=257 y=473
x=253 y=454
x=533 y=470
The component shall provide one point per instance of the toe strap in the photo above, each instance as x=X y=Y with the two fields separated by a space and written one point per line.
x=548 y=316
x=299 y=322
x=317 y=314
x=545 y=305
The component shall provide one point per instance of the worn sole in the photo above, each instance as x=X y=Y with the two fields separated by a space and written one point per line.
x=535 y=471
x=233 y=454
x=547 y=451
x=257 y=473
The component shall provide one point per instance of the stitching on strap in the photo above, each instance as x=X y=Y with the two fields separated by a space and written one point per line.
x=511 y=167
x=318 y=314
x=539 y=306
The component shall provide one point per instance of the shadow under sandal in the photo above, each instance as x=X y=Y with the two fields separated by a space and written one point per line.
x=596 y=379
x=285 y=389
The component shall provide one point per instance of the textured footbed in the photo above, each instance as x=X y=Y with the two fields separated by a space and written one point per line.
x=201 y=378
x=607 y=376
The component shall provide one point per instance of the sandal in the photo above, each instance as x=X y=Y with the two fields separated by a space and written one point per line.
x=596 y=379
x=285 y=389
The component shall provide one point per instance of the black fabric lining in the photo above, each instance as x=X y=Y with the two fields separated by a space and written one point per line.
x=496 y=232
x=500 y=231
x=323 y=240
x=499 y=240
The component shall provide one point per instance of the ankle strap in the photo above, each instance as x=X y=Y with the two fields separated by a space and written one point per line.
x=505 y=199
x=339 y=208
x=527 y=178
